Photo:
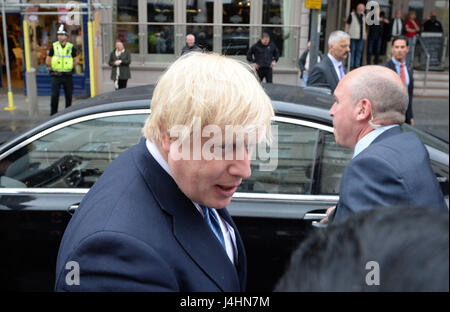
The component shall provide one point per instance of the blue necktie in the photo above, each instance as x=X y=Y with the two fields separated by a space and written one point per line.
x=211 y=220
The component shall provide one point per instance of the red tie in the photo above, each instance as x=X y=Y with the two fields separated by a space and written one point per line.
x=402 y=73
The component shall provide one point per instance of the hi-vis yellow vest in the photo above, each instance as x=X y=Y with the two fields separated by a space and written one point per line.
x=62 y=60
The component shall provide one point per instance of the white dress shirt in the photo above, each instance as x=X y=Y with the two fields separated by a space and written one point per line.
x=397 y=27
x=369 y=138
x=227 y=230
x=397 y=69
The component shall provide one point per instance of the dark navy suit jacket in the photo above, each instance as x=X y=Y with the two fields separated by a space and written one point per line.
x=136 y=231
x=393 y=170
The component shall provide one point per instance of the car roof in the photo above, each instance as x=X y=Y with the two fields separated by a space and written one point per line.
x=311 y=104
x=310 y=96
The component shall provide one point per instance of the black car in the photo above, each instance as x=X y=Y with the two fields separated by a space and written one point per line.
x=45 y=172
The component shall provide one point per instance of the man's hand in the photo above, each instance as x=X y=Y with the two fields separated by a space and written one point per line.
x=329 y=211
x=412 y=122
x=272 y=64
x=256 y=66
x=117 y=63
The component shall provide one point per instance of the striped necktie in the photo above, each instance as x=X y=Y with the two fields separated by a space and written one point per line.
x=212 y=221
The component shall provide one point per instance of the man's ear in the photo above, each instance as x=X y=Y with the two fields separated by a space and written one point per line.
x=165 y=141
x=363 y=110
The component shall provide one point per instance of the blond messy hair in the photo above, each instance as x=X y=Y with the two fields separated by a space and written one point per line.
x=215 y=89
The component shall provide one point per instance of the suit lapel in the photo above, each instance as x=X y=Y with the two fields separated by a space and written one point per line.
x=333 y=71
x=189 y=228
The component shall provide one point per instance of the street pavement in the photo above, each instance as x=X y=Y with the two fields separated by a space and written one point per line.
x=429 y=114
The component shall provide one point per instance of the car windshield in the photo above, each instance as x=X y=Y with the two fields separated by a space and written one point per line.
x=427 y=138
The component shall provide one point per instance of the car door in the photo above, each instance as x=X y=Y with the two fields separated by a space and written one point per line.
x=274 y=210
x=43 y=179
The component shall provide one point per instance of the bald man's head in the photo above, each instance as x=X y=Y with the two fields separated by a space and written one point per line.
x=383 y=88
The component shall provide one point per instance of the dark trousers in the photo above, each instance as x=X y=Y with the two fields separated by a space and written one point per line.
x=67 y=83
x=356 y=48
x=122 y=83
x=265 y=72
x=374 y=45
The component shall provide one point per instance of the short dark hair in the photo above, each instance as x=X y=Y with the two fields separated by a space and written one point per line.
x=410 y=245
x=401 y=37
x=265 y=35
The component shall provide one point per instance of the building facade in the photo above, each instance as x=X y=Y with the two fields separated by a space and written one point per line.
x=154 y=32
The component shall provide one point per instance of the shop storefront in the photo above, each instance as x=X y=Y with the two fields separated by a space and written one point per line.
x=42 y=33
x=154 y=32
x=15 y=51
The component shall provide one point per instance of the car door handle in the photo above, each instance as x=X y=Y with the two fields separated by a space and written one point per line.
x=314 y=216
x=72 y=208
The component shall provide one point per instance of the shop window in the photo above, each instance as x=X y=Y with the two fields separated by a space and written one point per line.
x=235 y=39
x=42 y=36
x=277 y=13
x=200 y=12
x=160 y=37
x=126 y=11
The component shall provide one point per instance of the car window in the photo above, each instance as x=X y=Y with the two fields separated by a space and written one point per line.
x=73 y=156
x=331 y=164
x=293 y=169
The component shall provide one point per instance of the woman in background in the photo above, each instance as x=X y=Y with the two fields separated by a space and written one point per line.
x=120 y=60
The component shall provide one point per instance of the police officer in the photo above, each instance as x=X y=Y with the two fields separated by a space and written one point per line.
x=62 y=58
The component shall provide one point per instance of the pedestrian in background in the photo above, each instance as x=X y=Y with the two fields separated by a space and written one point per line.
x=62 y=59
x=120 y=60
x=412 y=28
x=375 y=38
x=397 y=28
x=190 y=45
x=398 y=64
x=432 y=24
x=356 y=28
x=330 y=71
x=263 y=55
x=303 y=63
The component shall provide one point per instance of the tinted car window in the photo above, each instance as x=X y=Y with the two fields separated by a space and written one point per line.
x=334 y=158
x=73 y=156
x=292 y=171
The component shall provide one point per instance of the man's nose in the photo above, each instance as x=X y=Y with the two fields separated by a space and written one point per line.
x=331 y=111
x=240 y=166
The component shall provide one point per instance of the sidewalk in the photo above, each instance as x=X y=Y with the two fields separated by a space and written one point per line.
x=15 y=121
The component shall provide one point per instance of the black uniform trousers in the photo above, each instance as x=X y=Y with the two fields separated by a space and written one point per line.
x=66 y=81
x=265 y=72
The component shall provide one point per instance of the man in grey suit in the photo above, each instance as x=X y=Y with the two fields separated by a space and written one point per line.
x=389 y=168
x=330 y=71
